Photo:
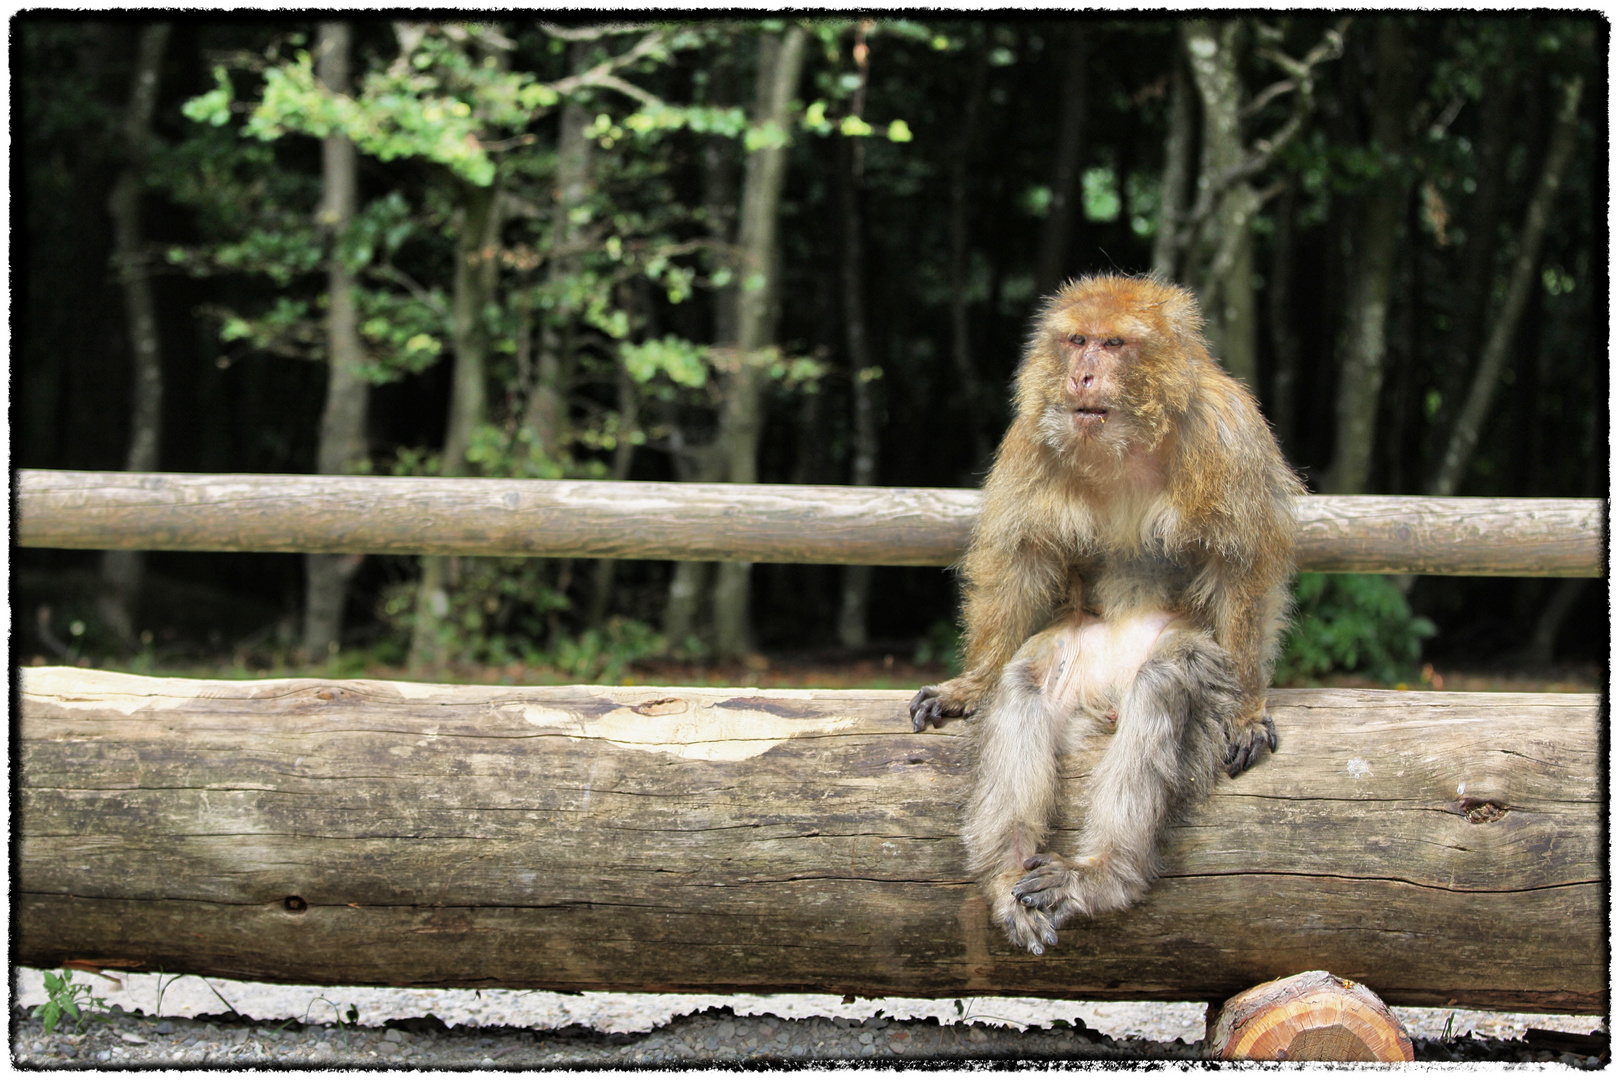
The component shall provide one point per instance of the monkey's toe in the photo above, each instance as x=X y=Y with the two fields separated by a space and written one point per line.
x=1049 y=883
x=1029 y=929
x=1249 y=744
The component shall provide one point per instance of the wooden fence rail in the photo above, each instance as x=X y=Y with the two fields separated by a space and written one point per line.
x=753 y=523
x=1442 y=848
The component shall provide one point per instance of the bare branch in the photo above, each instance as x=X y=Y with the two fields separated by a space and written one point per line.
x=603 y=74
x=389 y=272
x=590 y=33
x=1331 y=47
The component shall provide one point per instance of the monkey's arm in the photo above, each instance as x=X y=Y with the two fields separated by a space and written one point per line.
x=1009 y=595
x=1250 y=605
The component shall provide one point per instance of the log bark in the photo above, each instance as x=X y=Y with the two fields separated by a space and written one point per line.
x=1363 y=534
x=1440 y=848
x=1312 y=1016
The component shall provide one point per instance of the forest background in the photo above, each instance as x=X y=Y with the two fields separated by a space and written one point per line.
x=774 y=251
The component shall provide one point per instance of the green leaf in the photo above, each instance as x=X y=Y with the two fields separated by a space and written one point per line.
x=213 y=107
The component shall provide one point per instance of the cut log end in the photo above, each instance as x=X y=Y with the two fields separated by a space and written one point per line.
x=1313 y=1016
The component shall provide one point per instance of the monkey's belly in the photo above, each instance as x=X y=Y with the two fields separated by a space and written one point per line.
x=1091 y=660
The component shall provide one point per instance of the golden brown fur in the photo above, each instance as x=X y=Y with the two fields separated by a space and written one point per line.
x=1139 y=509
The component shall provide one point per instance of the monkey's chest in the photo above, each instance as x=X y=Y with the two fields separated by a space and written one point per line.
x=1113 y=584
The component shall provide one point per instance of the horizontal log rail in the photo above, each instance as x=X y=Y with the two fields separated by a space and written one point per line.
x=754 y=522
x=1439 y=848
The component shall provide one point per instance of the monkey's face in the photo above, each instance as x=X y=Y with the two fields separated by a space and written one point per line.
x=1093 y=353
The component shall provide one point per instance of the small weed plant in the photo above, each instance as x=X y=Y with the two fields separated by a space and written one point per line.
x=64 y=997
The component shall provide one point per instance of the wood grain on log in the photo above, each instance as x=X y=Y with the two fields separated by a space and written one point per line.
x=1439 y=847
x=750 y=522
x=1312 y=1016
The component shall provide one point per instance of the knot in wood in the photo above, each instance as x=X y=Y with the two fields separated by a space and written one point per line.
x=1480 y=811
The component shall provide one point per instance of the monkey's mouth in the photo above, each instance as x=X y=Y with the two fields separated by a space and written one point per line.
x=1087 y=416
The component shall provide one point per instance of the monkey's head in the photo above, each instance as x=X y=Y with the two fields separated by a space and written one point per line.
x=1112 y=361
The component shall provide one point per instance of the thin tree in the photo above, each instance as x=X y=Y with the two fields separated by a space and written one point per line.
x=122 y=571
x=1504 y=326
x=1052 y=262
x=781 y=60
x=863 y=374
x=342 y=447
x=1376 y=242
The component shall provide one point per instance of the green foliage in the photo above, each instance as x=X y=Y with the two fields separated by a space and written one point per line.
x=1352 y=623
x=682 y=361
x=605 y=655
x=495 y=611
x=503 y=611
x=64 y=997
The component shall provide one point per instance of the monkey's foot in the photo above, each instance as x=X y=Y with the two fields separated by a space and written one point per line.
x=1026 y=927
x=1247 y=740
x=935 y=704
x=1088 y=886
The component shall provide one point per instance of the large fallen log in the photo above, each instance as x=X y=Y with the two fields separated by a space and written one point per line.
x=1438 y=847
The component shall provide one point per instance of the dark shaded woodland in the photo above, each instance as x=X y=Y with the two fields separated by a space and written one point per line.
x=776 y=252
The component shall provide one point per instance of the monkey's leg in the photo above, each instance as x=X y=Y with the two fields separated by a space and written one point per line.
x=1248 y=625
x=1014 y=792
x=1164 y=756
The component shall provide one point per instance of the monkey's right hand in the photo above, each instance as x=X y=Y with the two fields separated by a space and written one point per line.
x=935 y=704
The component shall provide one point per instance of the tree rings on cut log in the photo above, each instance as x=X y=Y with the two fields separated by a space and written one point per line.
x=1313 y=1016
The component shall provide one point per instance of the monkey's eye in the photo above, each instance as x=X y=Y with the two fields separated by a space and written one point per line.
x=1114 y=342
x=1077 y=339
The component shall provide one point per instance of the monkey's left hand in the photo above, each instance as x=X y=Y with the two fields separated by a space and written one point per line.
x=1247 y=740
x=939 y=702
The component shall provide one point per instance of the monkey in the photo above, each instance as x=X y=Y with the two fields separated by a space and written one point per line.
x=1140 y=510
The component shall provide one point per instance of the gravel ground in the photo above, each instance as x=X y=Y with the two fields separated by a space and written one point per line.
x=220 y=1023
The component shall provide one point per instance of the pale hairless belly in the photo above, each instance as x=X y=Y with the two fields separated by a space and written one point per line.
x=1090 y=662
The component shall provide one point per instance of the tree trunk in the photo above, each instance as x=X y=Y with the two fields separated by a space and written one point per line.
x=546 y=411
x=962 y=358
x=1479 y=256
x=1285 y=346
x=122 y=571
x=474 y=288
x=342 y=447
x=624 y=452
x=857 y=580
x=1493 y=358
x=1221 y=266
x=781 y=59
x=1052 y=264
x=1372 y=272
x=694 y=460
x=1168 y=253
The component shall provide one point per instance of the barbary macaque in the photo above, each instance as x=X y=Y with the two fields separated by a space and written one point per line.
x=1139 y=510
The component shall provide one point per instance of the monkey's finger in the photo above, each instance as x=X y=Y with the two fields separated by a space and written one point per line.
x=1271 y=732
x=922 y=695
x=927 y=714
x=1037 y=860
